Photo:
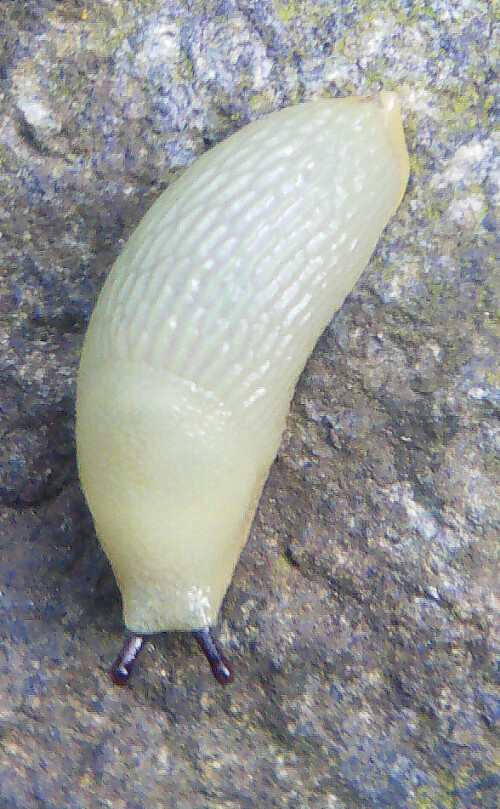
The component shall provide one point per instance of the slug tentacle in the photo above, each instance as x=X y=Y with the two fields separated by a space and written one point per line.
x=210 y=647
x=199 y=336
x=122 y=668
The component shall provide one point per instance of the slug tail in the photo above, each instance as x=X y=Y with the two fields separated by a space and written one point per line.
x=391 y=114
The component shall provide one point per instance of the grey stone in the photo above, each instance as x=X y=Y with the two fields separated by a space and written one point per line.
x=363 y=617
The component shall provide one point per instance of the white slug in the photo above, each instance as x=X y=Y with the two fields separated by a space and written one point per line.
x=199 y=336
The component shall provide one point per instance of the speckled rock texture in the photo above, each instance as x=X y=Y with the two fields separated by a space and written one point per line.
x=363 y=617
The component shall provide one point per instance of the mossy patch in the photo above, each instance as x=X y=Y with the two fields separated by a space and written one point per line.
x=105 y=27
x=302 y=11
x=449 y=792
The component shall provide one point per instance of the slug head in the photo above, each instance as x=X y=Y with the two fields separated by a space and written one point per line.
x=172 y=484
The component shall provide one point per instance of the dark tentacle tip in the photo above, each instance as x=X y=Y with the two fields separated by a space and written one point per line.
x=210 y=647
x=122 y=668
x=223 y=673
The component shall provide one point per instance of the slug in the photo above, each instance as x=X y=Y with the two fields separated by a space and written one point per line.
x=197 y=340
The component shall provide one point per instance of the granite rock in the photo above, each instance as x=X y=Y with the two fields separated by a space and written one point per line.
x=363 y=617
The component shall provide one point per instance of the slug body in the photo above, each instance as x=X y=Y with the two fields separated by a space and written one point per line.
x=200 y=334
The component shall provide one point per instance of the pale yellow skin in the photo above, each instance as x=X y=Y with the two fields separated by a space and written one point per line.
x=201 y=331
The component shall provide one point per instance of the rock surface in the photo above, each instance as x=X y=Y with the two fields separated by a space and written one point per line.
x=363 y=618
